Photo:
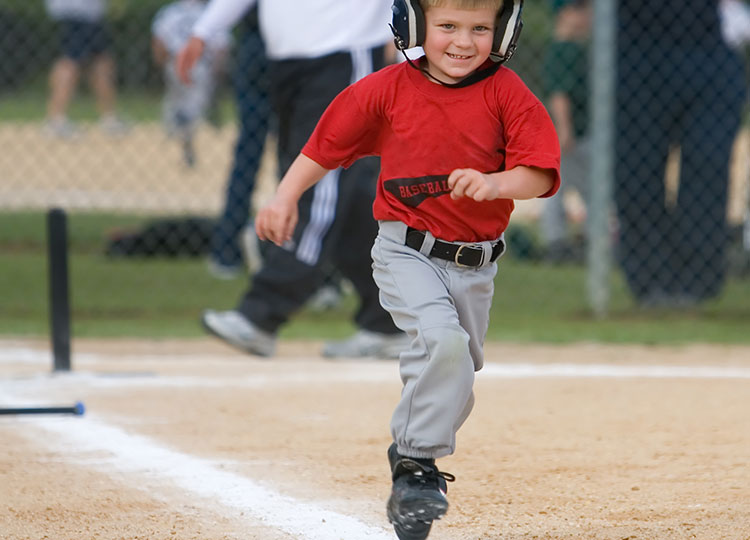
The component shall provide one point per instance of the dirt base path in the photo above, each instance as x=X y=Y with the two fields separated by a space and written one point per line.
x=190 y=440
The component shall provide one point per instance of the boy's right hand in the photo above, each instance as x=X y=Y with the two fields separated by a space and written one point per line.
x=188 y=57
x=276 y=220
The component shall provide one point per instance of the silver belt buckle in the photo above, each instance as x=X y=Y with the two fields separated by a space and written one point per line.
x=458 y=255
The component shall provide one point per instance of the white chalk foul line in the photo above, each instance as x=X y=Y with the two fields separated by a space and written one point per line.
x=379 y=371
x=132 y=453
x=613 y=371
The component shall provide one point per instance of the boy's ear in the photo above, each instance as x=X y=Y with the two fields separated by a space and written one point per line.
x=408 y=24
x=508 y=26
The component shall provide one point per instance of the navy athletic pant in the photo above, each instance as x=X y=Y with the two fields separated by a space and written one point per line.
x=336 y=227
x=253 y=109
x=668 y=95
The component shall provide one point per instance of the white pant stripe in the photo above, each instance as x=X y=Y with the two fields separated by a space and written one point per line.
x=323 y=209
x=322 y=213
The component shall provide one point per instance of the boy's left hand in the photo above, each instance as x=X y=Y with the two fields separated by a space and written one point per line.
x=473 y=184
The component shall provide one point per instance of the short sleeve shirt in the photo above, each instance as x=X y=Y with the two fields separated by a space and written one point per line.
x=423 y=131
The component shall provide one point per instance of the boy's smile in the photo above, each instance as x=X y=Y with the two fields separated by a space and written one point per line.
x=457 y=41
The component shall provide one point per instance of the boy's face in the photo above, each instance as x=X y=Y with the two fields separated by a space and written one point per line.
x=457 y=41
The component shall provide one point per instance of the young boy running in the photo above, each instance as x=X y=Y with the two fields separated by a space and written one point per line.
x=459 y=138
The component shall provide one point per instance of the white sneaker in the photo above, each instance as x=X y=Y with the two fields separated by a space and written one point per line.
x=235 y=329
x=368 y=344
x=61 y=128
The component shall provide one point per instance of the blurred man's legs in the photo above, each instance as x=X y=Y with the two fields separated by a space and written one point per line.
x=82 y=42
x=102 y=81
x=63 y=81
x=302 y=89
x=251 y=94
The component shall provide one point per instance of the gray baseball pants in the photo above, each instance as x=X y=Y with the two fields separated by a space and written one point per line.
x=574 y=170
x=444 y=308
x=188 y=101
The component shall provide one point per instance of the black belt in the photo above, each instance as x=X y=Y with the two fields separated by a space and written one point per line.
x=461 y=254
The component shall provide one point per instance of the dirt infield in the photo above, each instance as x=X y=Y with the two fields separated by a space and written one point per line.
x=190 y=440
x=139 y=172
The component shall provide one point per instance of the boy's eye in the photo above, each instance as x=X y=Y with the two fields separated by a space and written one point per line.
x=481 y=29
x=448 y=26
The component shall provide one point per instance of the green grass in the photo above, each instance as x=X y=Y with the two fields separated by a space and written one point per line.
x=547 y=303
x=163 y=298
x=28 y=105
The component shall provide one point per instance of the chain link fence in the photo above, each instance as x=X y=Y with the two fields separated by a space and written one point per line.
x=675 y=208
x=78 y=156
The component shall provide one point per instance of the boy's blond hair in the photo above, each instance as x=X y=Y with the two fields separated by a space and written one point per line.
x=463 y=4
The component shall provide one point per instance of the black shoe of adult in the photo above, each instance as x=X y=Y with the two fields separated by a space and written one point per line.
x=418 y=495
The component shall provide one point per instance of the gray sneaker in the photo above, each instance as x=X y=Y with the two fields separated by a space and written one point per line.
x=235 y=329
x=61 y=128
x=325 y=298
x=223 y=271
x=367 y=344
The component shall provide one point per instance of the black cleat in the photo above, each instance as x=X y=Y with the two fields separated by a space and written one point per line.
x=418 y=495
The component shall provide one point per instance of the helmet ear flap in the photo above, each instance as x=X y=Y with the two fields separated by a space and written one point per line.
x=408 y=24
x=508 y=25
x=409 y=27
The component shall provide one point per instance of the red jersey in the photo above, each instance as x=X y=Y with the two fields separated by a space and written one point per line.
x=423 y=131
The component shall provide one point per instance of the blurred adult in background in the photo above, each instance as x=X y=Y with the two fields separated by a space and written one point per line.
x=229 y=252
x=565 y=75
x=184 y=106
x=678 y=85
x=84 y=40
x=316 y=48
x=234 y=246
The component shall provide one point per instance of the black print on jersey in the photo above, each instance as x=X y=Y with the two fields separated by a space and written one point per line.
x=412 y=191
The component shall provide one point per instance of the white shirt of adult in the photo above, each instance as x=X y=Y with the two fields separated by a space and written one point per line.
x=305 y=28
x=735 y=22
x=78 y=10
